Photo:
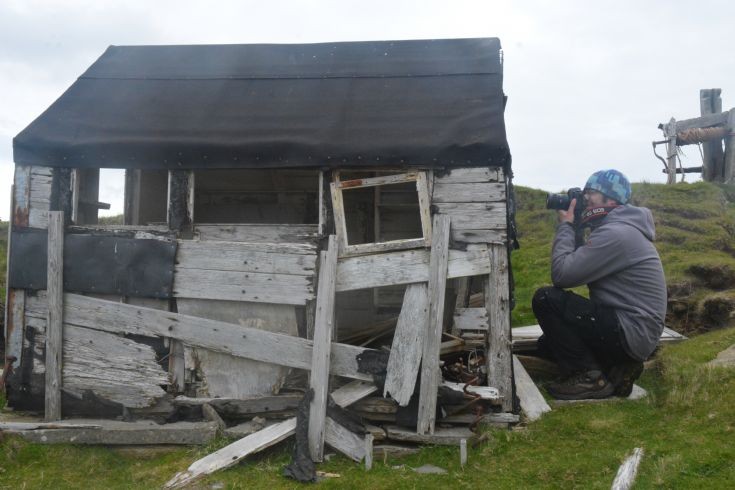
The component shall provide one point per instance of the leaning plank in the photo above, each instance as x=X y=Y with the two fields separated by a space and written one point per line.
x=55 y=293
x=230 y=455
x=441 y=436
x=352 y=392
x=405 y=353
x=112 y=432
x=469 y=192
x=430 y=374
x=242 y=286
x=237 y=340
x=407 y=267
x=533 y=403
x=344 y=441
x=321 y=353
x=470 y=318
x=625 y=477
x=497 y=302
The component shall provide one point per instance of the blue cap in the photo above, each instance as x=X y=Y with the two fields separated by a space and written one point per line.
x=610 y=183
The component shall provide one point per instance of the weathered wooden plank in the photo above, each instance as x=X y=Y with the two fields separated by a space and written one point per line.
x=627 y=472
x=243 y=407
x=54 y=332
x=710 y=102
x=405 y=353
x=532 y=401
x=232 y=454
x=373 y=181
x=422 y=187
x=469 y=192
x=284 y=350
x=430 y=374
x=405 y=268
x=352 y=392
x=470 y=174
x=15 y=426
x=441 y=436
x=38 y=218
x=702 y=122
x=497 y=302
x=234 y=256
x=344 y=441
x=321 y=354
x=470 y=319
x=370 y=248
x=242 y=286
x=479 y=236
x=112 y=432
x=475 y=216
x=258 y=233
x=368 y=444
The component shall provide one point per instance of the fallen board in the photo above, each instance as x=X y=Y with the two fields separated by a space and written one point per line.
x=524 y=338
x=532 y=401
x=441 y=436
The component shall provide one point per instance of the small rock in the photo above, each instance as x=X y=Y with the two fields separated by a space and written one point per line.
x=217 y=486
x=429 y=469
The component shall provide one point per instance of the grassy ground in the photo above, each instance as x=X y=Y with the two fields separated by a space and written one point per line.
x=686 y=425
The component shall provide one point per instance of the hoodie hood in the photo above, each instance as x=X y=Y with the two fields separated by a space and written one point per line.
x=639 y=218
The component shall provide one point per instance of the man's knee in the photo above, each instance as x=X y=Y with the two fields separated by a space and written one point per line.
x=546 y=299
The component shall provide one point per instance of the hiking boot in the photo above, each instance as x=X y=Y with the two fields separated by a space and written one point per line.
x=583 y=386
x=622 y=376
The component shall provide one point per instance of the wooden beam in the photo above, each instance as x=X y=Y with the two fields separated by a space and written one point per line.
x=343 y=440
x=54 y=335
x=405 y=352
x=532 y=401
x=352 y=392
x=701 y=122
x=321 y=353
x=471 y=174
x=430 y=374
x=468 y=192
x=670 y=134
x=406 y=267
x=730 y=149
x=374 y=181
x=441 y=437
x=236 y=340
x=710 y=102
x=283 y=234
x=180 y=199
x=497 y=302
x=243 y=407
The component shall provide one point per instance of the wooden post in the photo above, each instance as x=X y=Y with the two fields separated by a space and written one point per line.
x=180 y=216
x=670 y=133
x=368 y=452
x=55 y=291
x=730 y=149
x=710 y=102
x=462 y=452
x=497 y=302
x=430 y=373
x=321 y=354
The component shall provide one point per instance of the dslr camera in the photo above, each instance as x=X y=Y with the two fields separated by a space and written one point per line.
x=562 y=201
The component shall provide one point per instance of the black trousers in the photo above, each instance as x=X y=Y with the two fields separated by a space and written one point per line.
x=579 y=335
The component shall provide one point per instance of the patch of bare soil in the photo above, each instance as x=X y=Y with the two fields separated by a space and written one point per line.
x=717 y=277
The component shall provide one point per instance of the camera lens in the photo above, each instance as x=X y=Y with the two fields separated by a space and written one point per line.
x=557 y=201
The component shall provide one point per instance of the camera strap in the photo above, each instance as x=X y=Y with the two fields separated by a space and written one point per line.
x=591 y=216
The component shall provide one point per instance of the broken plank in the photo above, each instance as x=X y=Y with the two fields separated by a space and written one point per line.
x=405 y=353
x=468 y=192
x=430 y=373
x=497 y=302
x=470 y=319
x=237 y=340
x=54 y=325
x=343 y=440
x=406 y=267
x=112 y=432
x=532 y=401
x=352 y=392
x=321 y=353
x=232 y=454
x=627 y=472
x=441 y=436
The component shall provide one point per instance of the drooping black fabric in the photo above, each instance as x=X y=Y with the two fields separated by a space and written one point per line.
x=406 y=103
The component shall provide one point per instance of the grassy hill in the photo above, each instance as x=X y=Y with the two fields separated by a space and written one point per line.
x=686 y=425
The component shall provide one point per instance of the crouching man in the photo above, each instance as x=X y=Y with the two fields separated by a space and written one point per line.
x=600 y=343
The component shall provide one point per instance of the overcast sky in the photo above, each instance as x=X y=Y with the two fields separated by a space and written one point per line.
x=587 y=82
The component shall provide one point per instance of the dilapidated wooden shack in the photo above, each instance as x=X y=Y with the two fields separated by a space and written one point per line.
x=323 y=208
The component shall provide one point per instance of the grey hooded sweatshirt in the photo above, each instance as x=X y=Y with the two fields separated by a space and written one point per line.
x=623 y=271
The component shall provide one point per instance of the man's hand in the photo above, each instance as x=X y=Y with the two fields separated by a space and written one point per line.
x=568 y=215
